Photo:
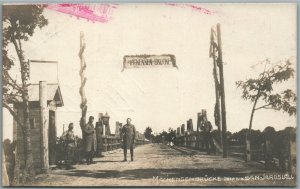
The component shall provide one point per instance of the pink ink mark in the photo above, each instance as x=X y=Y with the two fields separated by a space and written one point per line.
x=193 y=7
x=92 y=12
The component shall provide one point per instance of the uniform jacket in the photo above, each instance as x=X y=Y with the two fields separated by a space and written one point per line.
x=90 y=138
x=128 y=135
x=69 y=138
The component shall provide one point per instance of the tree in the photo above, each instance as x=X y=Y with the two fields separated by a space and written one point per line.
x=171 y=135
x=19 y=24
x=148 y=132
x=260 y=89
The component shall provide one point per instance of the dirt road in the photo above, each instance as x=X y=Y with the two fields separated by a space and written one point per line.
x=159 y=165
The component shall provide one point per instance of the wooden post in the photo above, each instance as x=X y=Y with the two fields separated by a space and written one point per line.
x=182 y=129
x=44 y=125
x=188 y=126
x=222 y=92
x=117 y=132
x=191 y=125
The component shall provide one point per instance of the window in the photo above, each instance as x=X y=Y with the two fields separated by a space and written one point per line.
x=32 y=123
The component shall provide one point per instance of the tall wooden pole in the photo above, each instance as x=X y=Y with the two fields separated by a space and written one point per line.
x=83 y=104
x=222 y=92
x=217 y=86
x=44 y=114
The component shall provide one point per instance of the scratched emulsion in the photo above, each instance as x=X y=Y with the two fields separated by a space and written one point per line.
x=92 y=12
x=191 y=6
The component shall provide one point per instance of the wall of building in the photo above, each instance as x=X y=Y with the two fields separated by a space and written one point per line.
x=35 y=132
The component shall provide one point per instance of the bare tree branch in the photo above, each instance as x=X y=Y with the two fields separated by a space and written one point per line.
x=264 y=106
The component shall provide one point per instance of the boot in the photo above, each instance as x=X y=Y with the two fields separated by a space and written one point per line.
x=91 y=161
x=88 y=158
x=131 y=154
x=125 y=155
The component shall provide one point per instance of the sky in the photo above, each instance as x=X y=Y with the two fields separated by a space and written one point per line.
x=162 y=97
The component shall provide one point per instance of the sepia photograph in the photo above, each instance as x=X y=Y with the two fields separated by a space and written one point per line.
x=149 y=94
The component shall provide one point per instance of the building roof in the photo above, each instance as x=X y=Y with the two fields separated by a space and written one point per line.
x=53 y=93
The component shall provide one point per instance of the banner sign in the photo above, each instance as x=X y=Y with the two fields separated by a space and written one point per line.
x=149 y=61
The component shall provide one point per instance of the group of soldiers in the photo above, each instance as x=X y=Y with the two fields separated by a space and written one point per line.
x=93 y=141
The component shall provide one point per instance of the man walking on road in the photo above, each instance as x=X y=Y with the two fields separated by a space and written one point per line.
x=91 y=142
x=128 y=137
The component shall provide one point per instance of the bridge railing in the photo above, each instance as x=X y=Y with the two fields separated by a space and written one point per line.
x=276 y=150
x=112 y=142
x=194 y=140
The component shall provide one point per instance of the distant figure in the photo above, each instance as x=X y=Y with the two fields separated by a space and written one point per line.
x=99 y=133
x=90 y=141
x=207 y=137
x=70 y=145
x=128 y=137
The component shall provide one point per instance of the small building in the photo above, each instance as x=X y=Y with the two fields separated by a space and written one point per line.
x=44 y=99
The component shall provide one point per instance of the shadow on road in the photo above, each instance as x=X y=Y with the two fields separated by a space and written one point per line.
x=109 y=161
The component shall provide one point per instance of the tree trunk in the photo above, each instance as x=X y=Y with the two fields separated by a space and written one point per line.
x=5 y=180
x=29 y=171
x=252 y=112
x=250 y=124
x=83 y=104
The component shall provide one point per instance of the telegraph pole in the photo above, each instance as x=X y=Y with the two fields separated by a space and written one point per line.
x=217 y=112
x=222 y=91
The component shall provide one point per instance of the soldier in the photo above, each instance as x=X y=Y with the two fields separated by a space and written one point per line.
x=128 y=137
x=207 y=127
x=99 y=133
x=70 y=144
x=90 y=141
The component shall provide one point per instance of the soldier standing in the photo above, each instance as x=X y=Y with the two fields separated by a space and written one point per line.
x=70 y=145
x=90 y=141
x=128 y=137
x=207 y=136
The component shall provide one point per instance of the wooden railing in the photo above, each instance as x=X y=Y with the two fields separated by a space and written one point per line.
x=276 y=150
x=195 y=140
x=111 y=142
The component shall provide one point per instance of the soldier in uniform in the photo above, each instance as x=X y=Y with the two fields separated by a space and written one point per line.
x=207 y=127
x=90 y=141
x=128 y=137
x=70 y=145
